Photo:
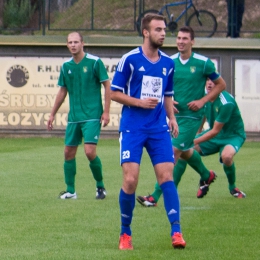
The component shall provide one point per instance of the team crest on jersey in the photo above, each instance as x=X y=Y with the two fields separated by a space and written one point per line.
x=192 y=69
x=164 y=71
x=85 y=69
x=216 y=109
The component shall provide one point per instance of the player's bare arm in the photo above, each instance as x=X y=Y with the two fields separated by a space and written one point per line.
x=173 y=126
x=124 y=99
x=58 y=102
x=105 y=118
x=210 y=134
x=220 y=85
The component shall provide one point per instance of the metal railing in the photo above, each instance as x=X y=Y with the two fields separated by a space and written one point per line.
x=116 y=17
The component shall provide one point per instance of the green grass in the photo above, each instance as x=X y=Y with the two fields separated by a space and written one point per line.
x=36 y=225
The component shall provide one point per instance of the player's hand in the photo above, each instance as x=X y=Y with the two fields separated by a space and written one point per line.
x=174 y=128
x=176 y=111
x=149 y=103
x=195 y=105
x=50 y=123
x=105 y=119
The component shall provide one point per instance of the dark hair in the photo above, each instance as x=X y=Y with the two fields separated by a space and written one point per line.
x=188 y=29
x=148 y=18
x=80 y=35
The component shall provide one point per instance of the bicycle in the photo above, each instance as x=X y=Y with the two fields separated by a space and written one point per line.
x=203 y=22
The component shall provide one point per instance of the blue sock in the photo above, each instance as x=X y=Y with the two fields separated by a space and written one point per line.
x=126 y=204
x=172 y=205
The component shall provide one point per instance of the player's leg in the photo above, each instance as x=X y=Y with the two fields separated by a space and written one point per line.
x=227 y=154
x=72 y=140
x=193 y=158
x=178 y=171
x=179 y=144
x=91 y=132
x=182 y=148
x=184 y=142
x=203 y=149
x=151 y=200
x=161 y=154
x=70 y=167
x=131 y=148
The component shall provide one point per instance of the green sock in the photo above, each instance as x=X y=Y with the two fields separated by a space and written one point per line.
x=157 y=192
x=196 y=163
x=231 y=175
x=96 y=169
x=69 y=174
x=178 y=171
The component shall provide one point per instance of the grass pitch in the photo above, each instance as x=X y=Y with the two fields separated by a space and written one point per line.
x=36 y=225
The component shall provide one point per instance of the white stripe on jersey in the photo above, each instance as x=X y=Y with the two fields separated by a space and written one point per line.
x=130 y=78
x=175 y=56
x=168 y=93
x=93 y=57
x=222 y=99
x=70 y=59
x=122 y=60
x=164 y=54
x=200 y=57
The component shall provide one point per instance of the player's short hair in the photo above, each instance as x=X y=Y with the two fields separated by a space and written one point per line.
x=145 y=24
x=79 y=34
x=188 y=29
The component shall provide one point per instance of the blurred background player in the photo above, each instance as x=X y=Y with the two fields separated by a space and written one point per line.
x=226 y=134
x=191 y=73
x=81 y=77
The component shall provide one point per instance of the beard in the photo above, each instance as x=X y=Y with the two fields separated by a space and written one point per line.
x=155 y=44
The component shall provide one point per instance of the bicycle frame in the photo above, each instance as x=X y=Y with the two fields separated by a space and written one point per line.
x=188 y=4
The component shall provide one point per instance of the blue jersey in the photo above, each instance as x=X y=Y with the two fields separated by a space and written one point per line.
x=141 y=78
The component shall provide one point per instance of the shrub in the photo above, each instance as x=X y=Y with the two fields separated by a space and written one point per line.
x=17 y=13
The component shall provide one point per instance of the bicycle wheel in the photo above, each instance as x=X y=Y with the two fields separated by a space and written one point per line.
x=203 y=23
x=140 y=17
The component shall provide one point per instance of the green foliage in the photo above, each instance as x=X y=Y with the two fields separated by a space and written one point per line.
x=36 y=225
x=17 y=13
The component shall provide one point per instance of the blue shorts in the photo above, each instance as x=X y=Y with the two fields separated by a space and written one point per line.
x=158 y=145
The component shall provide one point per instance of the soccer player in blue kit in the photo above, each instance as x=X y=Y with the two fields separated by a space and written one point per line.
x=143 y=84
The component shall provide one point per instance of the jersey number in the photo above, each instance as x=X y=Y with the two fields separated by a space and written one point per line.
x=126 y=154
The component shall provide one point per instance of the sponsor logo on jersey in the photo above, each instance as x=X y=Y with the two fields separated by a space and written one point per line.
x=69 y=72
x=192 y=69
x=156 y=84
x=141 y=68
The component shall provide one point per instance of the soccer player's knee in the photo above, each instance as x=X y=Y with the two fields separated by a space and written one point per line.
x=227 y=159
